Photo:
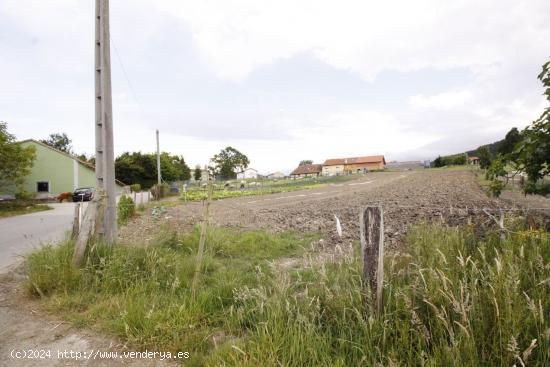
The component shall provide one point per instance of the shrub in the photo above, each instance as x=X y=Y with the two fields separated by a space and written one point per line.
x=126 y=209
x=23 y=194
x=161 y=191
x=496 y=186
x=135 y=188
x=537 y=188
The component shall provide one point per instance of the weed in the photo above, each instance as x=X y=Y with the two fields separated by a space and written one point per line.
x=450 y=299
x=126 y=209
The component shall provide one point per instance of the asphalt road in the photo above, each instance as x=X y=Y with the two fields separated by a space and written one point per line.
x=22 y=233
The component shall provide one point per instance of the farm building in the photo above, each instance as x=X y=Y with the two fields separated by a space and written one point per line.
x=276 y=175
x=473 y=160
x=54 y=172
x=340 y=166
x=333 y=167
x=307 y=170
x=247 y=173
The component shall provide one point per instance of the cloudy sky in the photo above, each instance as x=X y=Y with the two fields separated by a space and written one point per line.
x=281 y=80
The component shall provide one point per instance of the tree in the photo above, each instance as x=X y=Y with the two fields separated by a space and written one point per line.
x=197 y=174
x=497 y=175
x=60 y=142
x=438 y=162
x=174 y=168
x=141 y=168
x=305 y=162
x=484 y=157
x=450 y=160
x=531 y=154
x=533 y=151
x=15 y=160
x=84 y=158
x=506 y=146
x=227 y=161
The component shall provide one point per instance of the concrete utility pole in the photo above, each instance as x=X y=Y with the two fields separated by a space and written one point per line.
x=158 y=160
x=104 y=165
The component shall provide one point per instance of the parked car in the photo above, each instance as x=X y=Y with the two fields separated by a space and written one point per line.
x=83 y=194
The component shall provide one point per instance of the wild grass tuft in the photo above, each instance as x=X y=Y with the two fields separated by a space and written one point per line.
x=142 y=294
x=450 y=299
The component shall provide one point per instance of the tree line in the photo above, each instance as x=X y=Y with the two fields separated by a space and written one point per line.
x=130 y=167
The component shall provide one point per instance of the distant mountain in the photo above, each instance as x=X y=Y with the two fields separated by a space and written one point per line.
x=493 y=149
x=503 y=146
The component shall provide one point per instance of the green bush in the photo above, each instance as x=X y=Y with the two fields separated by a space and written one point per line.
x=538 y=188
x=451 y=160
x=495 y=187
x=161 y=191
x=23 y=194
x=135 y=188
x=126 y=209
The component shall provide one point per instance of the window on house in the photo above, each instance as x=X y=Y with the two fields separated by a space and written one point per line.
x=43 y=186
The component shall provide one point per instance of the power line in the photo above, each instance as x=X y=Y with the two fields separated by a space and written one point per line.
x=119 y=59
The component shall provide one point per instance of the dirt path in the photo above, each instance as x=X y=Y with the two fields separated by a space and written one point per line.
x=23 y=327
x=407 y=198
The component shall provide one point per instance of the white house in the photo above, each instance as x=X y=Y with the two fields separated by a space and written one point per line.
x=247 y=173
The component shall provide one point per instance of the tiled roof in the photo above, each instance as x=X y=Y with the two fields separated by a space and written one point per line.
x=355 y=160
x=308 y=169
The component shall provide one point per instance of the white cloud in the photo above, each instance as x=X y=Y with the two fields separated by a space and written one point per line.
x=365 y=36
x=342 y=134
x=442 y=101
x=359 y=132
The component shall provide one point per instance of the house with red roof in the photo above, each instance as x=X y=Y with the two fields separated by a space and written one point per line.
x=346 y=166
x=307 y=170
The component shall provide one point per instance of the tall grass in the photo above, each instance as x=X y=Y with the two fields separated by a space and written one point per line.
x=142 y=294
x=450 y=299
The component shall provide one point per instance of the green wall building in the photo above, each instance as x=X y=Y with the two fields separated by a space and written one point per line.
x=55 y=172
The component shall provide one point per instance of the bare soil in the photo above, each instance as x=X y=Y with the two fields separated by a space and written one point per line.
x=409 y=197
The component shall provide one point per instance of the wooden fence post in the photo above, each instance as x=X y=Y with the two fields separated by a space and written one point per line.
x=93 y=217
x=371 y=224
x=76 y=221
x=499 y=221
x=202 y=238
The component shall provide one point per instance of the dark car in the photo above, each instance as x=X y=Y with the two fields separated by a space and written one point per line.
x=83 y=194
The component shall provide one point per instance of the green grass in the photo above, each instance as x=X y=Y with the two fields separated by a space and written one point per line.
x=12 y=208
x=464 y=167
x=451 y=299
x=201 y=195
x=142 y=294
x=264 y=187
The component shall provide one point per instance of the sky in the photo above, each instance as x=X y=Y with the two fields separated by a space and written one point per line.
x=281 y=81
